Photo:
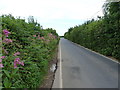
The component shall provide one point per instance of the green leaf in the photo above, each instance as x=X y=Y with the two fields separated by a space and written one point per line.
x=7 y=83
x=7 y=73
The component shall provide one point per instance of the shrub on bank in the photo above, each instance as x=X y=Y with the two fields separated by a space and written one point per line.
x=26 y=51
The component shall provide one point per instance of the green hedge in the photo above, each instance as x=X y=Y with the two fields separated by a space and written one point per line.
x=102 y=35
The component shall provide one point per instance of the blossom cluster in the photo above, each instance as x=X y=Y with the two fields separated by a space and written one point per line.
x=39 y=37
x=17 y=53
x=7 y=41
x=17 y=61
x=6 y=32
x=51 y=35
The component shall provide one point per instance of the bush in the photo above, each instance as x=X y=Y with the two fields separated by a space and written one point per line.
x=26 y=51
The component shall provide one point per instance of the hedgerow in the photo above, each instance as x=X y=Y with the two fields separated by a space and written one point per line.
x=102 y=35
x=26 y=50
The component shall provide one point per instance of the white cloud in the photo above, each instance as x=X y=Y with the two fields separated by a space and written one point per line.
x=53 y=13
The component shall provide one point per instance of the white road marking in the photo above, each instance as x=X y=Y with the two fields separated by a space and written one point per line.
x=61 y=80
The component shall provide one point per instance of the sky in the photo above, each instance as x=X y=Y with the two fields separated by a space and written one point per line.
x=57 y=14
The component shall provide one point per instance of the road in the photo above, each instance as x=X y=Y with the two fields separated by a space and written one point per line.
x=81 y=68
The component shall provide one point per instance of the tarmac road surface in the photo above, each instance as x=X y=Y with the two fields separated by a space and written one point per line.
x=81 y=68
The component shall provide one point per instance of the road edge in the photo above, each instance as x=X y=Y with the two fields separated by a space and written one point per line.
x=94 y=52
x=58 y=83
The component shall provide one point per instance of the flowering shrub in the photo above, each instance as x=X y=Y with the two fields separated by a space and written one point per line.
x=26 y=51
x=17 y=53
x=6 y=32
x=7 y=41
x=17 y=61
x=8 y=80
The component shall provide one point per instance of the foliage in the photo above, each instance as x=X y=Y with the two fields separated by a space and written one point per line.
x=101 y=35
x=26 y=51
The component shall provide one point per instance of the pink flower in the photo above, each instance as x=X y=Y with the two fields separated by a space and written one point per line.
x=15 y=65
x=1 y=65
x=7 y=41
x=3 y=57
x=17 y=53
x=42 y=38
x=34 y=35
x=22 y=63
x=6 y=32
x=17 y=61
x=51 y=36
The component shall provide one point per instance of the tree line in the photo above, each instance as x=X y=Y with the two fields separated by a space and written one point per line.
x=101 y=35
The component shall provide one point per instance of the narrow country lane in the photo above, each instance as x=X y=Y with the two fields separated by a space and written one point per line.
x=82 y=68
